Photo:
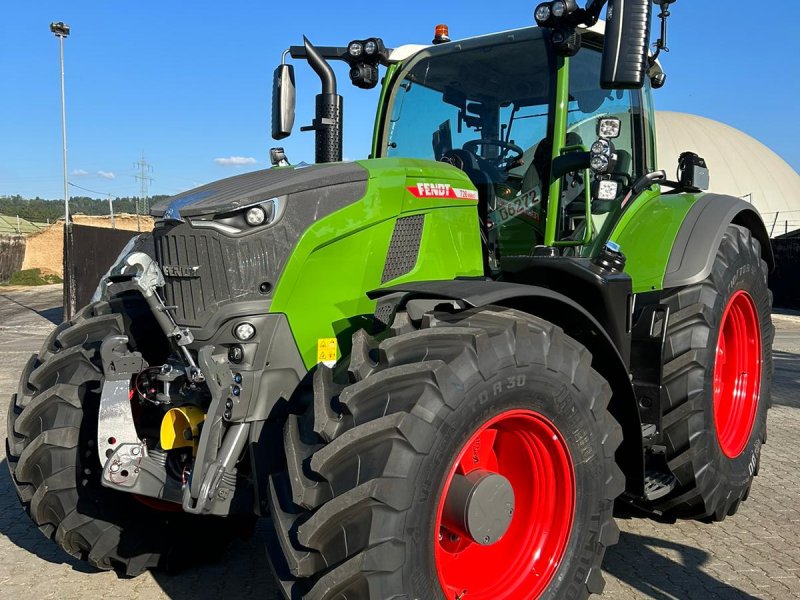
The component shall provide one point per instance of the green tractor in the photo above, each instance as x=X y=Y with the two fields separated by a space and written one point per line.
x=434 y=371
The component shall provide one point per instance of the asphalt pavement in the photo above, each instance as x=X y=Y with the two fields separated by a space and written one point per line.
x=755 y=554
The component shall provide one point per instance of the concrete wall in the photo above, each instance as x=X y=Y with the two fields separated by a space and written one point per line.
x=12 y=252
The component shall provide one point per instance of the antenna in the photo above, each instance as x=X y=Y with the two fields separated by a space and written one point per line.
x=144 y=180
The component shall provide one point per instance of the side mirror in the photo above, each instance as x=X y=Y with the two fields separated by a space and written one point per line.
x=283 y=102
x=627 y=39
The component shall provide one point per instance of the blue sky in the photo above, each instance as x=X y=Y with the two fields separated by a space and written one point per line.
x=189 y=82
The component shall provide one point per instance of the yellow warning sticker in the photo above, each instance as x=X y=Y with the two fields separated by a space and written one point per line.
x=326 y=351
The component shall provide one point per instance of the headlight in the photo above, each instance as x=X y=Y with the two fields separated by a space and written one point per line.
x=600 y=163
x=601 y=147
x=244 y=332
x=370 y=47
x=542 y=13
x=355 y=49
x=255 y=216
x=559 y=8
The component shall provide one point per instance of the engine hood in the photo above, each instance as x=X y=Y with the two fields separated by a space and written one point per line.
x=229 y=194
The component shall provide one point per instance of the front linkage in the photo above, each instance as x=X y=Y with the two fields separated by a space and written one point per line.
x=205 y=487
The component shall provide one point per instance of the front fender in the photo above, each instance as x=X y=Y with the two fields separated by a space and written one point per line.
x=700 y=236
x=575 y=320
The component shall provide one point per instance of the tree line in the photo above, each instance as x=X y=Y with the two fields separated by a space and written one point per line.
x=41 y=211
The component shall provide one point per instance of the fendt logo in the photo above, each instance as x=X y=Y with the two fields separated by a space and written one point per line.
x=441 y=190
x=174 y=271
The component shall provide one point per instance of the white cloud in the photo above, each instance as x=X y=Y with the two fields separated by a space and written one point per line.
x=235 y=161
x=79 y=173
x=106 y=174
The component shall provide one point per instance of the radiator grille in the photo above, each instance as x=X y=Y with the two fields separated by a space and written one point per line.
x=204 y=270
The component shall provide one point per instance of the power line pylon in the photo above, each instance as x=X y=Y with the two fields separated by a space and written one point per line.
x=142 y=204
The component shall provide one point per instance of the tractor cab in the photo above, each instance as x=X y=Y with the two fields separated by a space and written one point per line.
x=486 y=106
x=552 y=124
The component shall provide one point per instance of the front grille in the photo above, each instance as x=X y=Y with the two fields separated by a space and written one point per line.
x=205 y=270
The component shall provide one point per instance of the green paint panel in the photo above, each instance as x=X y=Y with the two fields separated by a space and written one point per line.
x=646 y=233
x=341 y=257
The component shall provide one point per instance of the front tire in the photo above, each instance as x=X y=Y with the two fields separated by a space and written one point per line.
x=717 y=377
x=358 y=513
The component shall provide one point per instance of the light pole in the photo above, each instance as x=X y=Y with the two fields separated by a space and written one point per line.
x=61 y=30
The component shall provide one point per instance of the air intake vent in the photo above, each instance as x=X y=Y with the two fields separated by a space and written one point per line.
x=404 y=247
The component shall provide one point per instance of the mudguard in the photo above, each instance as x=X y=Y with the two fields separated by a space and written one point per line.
x=700 y=235
x=576 y=321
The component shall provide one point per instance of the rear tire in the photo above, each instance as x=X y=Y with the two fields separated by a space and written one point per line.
x=357 y=512
x=52 y=458
x=716 y=418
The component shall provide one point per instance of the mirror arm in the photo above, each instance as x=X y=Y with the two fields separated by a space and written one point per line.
x=326 y=52
x=592 y=11
x=661 y=43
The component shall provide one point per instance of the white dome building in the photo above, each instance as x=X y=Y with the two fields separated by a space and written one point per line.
x=739 y=165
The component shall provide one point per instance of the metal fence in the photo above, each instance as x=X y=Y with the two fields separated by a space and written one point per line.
x=90 y=252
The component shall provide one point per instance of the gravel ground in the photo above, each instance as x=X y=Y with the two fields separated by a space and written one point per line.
x=752 y=555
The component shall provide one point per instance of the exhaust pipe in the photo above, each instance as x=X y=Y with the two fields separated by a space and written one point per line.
x=327 y=124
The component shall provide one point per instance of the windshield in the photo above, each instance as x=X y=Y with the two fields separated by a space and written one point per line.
x=485 y=110
x=499 y=92
x=487 y=107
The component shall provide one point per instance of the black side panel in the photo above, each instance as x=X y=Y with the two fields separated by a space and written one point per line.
x=701 y=234
x=605 y=295
x=404 y=247
x=575 y=321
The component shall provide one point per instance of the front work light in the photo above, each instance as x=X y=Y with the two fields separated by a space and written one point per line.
x=609 y=128
x=607 y=189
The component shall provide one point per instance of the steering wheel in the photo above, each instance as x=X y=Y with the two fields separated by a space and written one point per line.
x=505 y=147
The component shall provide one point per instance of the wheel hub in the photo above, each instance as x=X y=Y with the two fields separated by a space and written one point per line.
x=506 y=510
x=479 y=506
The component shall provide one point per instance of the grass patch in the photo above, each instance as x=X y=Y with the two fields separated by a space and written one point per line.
x=32 y=277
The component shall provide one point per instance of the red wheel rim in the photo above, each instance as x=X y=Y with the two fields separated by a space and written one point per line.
x=737 y=374
x=528 y=450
